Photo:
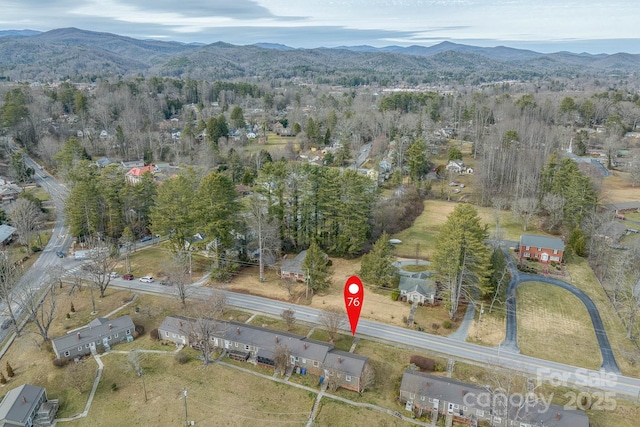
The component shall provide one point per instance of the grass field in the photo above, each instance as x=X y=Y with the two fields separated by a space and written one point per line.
x=335 y=413
x=554 y=325
x=279 y=325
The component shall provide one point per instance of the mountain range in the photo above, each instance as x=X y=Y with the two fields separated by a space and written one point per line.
x=80 y=54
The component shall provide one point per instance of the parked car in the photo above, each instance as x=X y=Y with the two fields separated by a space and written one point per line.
x=127 y=276
x=165 y=283
x=147 y=279
x=146 y=239
x=60 y=254
x=7 y=323
x=113 y=275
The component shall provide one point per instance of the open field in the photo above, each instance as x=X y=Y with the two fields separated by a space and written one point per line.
x=617 y=188
x=625 y=352
x=335 y=413
x=554 y=325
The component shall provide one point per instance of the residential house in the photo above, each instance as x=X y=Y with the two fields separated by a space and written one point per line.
x=624 y=207
x=7 y=233
x=134 y=175
x=103 y=162
x=291 y=268
x=100 y=331
x=542 y=248
x=9 y=191
x=470 y=404
x=420 y=290
x=259 y=345
x=611 y=231
x=130 y=164
x=27 y=406
x=456 y=166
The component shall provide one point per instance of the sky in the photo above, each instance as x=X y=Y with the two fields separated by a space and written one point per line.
x=593 y=26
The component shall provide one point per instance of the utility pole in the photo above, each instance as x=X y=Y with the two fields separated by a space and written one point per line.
x=186 y=418
x=480 y=320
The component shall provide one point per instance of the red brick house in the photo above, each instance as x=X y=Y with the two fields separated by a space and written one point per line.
x=542 y=248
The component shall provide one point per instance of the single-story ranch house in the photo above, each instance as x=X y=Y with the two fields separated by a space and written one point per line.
x=544 y=249
x=258 y=345
x=100 y=331
x=469 y=404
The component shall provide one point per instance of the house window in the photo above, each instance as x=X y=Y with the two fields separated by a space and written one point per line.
x=293 y=359
x=109 y=338
x=526 y=254
x=555 y=252
x=535 y=255
x=86 y=345
x=422 y=398
x=412 y=395
x=115 y=336
x=456 y=406
x=527 y=248
x=304 y=360
x=539 y=249
x=173 y=335
x=246 y=347
x=316 y=363
x=166 y=333
x=236 y=344
x=67 y=354
x=80 y=348
x=347 y=378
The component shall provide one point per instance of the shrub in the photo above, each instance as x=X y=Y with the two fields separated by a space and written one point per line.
x=139 y=331
x=182 y=357
x=155 y=334
x=73 y=309
x=35 y=249
x=100 y=349
x=114 y=387
x=3 y=380
x=10 y=373
x=424 y=363
x=447 y=324
x=68 y=316
x=60 y=362
x=395 y=294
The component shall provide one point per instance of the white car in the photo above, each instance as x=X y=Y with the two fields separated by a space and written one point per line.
x=147 y=279
x=114 y=275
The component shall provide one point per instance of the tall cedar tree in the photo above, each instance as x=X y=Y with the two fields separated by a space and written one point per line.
x=316 y=268
x=461 y=258
x=377 y=266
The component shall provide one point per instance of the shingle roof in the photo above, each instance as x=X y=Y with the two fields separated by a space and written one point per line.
x=97 y=328
x=423 y=287
x=536 y=241
x=6 y=231
x=294 y=265
x=12 y=407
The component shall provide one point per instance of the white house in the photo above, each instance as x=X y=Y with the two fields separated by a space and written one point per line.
x=456 y=166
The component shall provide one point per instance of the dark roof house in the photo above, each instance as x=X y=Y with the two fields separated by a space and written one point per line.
x=6 y=233
x=292 y=267
x=27 y=406
x=100 y=331
x=469 y=403
x=417 y=289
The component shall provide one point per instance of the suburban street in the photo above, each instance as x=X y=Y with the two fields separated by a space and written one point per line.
x=461 y=351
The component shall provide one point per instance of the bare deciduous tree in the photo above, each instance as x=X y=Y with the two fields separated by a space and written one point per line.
x=27 y=218
x=9 y=276
x=103 y=256
x=525 y=209
x=179 y=277
x=40 y=307
x=332 y=319
x=205 y=325
x=281 y=358
x=134 y=361
x=289 y=317
x=553 y=204
x=368 y=378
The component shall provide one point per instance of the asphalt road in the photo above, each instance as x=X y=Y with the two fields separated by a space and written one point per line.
x=609 y=363
x=535 y=368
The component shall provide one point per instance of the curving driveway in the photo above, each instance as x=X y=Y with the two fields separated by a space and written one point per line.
x=510 y=342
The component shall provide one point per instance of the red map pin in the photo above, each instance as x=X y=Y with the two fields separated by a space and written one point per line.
x=353 y=298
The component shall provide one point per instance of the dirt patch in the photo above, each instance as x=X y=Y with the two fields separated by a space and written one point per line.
x=377 y=305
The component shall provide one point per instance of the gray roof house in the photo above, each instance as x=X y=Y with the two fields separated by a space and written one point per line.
x=6 y=234
x=417 y=290
x=258 y=345
x=469 y=403
x=100 y=331
x=27 y=406
x=292 y=267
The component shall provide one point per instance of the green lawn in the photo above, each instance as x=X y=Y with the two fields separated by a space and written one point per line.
x=279 y=325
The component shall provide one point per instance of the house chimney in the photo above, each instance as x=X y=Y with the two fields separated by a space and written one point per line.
x=238 y=331
x=78 y=335
x=276 y=338
x=339 y=359
x=558 y=416
x=24 y=399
